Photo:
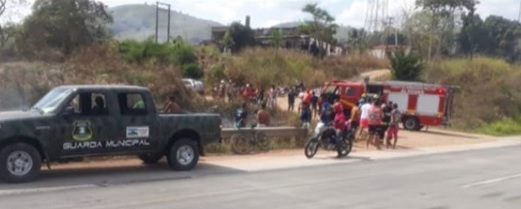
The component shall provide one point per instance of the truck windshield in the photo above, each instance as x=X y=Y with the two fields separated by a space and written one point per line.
x=52 y=100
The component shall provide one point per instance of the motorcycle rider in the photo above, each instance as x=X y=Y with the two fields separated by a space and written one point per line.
x=339 y=123
x=326 y=114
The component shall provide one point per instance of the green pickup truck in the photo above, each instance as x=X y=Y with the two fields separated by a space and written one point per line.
x=72 y=122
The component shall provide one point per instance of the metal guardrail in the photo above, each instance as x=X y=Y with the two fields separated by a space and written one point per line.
x=282 y=131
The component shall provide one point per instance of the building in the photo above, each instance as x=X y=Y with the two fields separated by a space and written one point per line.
x=291 y=38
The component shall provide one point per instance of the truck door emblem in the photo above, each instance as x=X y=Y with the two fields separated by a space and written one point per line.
x=81 y=131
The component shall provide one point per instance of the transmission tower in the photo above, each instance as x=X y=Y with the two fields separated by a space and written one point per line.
x=519 y=15
x=377 y=15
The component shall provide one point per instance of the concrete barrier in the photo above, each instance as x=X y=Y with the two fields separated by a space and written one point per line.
x=282 y=131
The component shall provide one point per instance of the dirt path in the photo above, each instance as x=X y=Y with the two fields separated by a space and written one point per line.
x=375 y=74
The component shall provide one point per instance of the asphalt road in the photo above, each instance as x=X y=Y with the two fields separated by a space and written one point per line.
x=488 y=178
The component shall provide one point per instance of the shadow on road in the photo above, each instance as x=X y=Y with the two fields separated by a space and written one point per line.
x=108 y=176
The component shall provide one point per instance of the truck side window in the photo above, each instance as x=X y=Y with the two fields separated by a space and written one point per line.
x=99 y=104
x=87 y=104
x=132 y=104
x=350 y=92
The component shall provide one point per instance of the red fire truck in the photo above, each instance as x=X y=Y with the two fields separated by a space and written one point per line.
x=422 y=104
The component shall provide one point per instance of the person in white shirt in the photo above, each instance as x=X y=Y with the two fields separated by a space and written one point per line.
x=364 y=115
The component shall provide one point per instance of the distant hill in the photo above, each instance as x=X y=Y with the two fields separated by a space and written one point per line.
x=137 y=21
x=341 y=34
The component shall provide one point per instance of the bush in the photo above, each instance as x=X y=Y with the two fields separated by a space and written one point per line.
x=266 y=67
x=192 y=71
x=489 y=90
x=406 y=67
x=23 y=84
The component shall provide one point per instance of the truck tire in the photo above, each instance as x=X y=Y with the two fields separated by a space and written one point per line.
x=183 y=155
x=411 y=123
x=150 y=158
x=20 y=162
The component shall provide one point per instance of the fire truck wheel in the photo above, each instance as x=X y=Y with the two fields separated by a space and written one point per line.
x=411 y=123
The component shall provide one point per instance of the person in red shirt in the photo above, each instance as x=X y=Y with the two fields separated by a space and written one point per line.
x=375 y=123
x=339 y=122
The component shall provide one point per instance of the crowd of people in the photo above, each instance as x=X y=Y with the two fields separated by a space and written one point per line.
x=380 y=120
x=369 y=115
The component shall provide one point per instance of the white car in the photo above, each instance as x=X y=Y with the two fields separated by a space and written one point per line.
x=195 y=85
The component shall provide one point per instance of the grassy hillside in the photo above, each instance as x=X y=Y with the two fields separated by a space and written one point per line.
x=137 y=21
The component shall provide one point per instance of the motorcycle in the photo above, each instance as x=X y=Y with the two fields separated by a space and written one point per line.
x=325 y=136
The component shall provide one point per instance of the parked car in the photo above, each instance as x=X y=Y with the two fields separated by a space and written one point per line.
x=194 y=85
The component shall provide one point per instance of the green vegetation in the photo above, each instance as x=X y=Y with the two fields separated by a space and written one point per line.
x=86 y=24
x=177 y=52
x=265 y=67
x=322 y=27
x=488 y=99
x=75 y=47
x=406 y=67
x=242 y=36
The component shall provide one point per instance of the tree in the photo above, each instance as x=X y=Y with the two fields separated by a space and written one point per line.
x=276 y=38
x=417 y=27
x=503 y=37
x=6 y=11
x=227 y=41
x=473 y=35
x=242 y=36
x=66 y=25
x=356 y=40
x=322 y=27
x=443 y=22
x=406 y=67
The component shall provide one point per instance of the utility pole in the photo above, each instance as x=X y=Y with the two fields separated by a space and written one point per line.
x=519 y=15
x=158 y=5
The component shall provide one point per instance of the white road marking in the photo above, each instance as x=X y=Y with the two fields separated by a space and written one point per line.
x=491 y=181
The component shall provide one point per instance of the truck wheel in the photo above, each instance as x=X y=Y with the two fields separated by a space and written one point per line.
x=411 y=123
x=183 y=155
x=150 y=158
x=20 y=163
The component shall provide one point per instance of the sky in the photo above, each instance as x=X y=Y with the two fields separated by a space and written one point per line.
x=266 y=13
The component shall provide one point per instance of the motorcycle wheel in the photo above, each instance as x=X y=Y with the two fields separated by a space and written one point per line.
x=345 y=148
x=311 y=147
x=348 y=145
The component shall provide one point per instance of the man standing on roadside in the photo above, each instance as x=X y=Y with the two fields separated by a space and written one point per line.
x=355 y=117
x=386 y=109
x=314 y=104
x=263 y=116
x=392 y=131
x=291 y=100
x=364 y=115
x=375 y=116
